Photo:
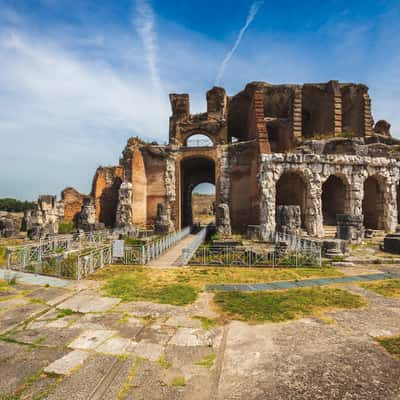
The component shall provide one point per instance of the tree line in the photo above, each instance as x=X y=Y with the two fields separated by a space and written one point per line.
x=14 y=205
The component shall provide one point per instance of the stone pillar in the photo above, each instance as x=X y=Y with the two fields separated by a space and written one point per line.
x=223 y=220
x=350 y=227
x=86 y=219
x=267 y=181
x=313 y=213
x=288 y=220
x=162 y=224
x=124 y=209
x=217 y=102
x=390 y=207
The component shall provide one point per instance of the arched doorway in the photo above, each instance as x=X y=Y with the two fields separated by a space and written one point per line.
x=373 y=204
x=334 y=193
x=291 y=190
x=194 y=171
x=203 y=204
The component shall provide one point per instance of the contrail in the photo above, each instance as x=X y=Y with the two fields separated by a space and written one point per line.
x=250 y=17
x=144 y=23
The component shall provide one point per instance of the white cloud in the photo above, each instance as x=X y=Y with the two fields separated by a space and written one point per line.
x=250 y=17
x=145 y=25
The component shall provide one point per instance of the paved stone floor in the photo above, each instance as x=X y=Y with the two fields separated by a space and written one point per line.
x=101 y=348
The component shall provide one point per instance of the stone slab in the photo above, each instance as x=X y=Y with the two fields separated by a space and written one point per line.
x=91 y=339
x=116 y=346
x=64 y=365
x=86 y=303
x=191 y=337
x=150 y=351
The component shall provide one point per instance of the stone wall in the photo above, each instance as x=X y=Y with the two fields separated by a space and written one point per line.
x=315 y=170
x=106 y=184
x=73 y=202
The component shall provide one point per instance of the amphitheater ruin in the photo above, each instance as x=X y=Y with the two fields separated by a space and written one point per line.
x=314 y=146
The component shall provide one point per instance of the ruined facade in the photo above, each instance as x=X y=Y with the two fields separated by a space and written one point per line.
x=314 y=146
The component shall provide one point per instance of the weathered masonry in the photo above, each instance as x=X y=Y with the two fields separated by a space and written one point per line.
x=314 y=146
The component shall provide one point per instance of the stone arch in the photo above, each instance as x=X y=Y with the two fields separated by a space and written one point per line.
x=335 y=198
x=373 y=204
x=292 y=190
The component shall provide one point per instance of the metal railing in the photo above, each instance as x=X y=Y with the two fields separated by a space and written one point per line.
x=249 y=257
x=75 y=264
x=293 y=241
x=199 y=143
x=189 y=250
x=145 y=253
x=18 y=257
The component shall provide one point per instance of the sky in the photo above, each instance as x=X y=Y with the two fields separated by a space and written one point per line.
x=79 y=77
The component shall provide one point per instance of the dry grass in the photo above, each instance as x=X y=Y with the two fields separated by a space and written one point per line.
x=387 y=288
x=199 y=277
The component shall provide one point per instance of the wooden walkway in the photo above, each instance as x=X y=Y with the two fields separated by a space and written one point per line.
x=172 y=256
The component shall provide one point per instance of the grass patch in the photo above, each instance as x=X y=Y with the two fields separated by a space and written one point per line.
x=133 y=287
x=391 y=344
x=206 y=323
x=285 y=305
x=207 y=361
x=181 y=286
x=164 y=363
x=178 y=381
x=129 y=380
x=387 y=288
x=198 y=277
x=65 y=312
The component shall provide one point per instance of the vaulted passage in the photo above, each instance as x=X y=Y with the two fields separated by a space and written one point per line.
x=333 y=199
x=291 y=191
x=373 y=204
x=194 y=171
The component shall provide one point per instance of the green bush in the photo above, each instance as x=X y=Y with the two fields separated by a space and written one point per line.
x=133 y=242
x=65 y=227
x=14 y=205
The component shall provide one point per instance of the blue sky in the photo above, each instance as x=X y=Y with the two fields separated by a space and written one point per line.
x=78 y=77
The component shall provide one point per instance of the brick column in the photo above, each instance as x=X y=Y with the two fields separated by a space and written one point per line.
x=337 y=109
x=297 y=107
x=368 y=122
x=260 y=126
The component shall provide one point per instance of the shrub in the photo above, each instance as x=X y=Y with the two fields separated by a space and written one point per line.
x=65 y=227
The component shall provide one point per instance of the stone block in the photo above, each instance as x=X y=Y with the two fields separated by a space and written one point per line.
x=66 y=364
x=391 y=243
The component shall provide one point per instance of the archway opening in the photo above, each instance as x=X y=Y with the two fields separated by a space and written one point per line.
x=291 y=191
x=333 y=199
x=203 y=204
x=199 y=140
x=194 y=171
x=373 y=204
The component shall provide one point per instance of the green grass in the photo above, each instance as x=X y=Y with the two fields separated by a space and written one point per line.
x=391 y=344
x=198 y=277
x=65 y=312
x=206 y=323
x=387 y=288
x=285 y=305
x=207 y=361
x=130 y=287
x=164 y=363
x=3 y=259
x=178 y=381
x=133 y=242
x=181 y=286
x=65 y=227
